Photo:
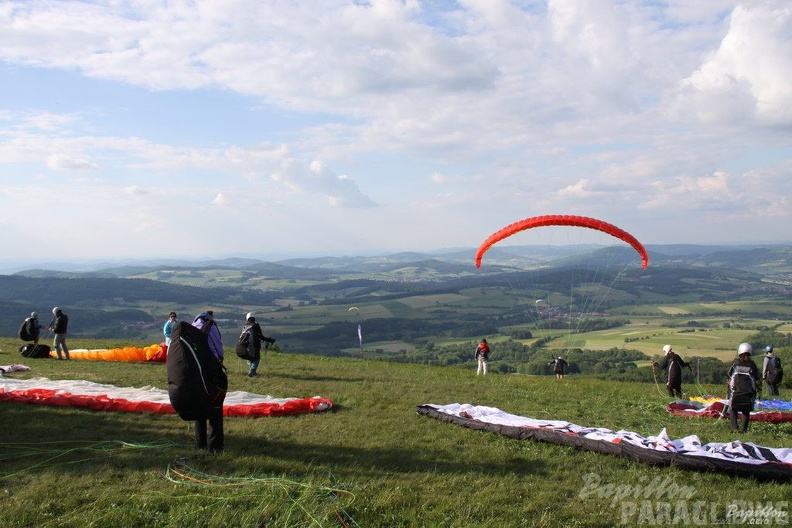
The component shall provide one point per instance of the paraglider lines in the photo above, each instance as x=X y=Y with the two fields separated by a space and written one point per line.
x=179 y=472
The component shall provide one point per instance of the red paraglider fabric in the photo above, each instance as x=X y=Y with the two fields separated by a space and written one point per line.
x=100 y=397
x=562 y=220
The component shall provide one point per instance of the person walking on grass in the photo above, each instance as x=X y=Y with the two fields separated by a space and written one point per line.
x=772 y=372
x=482 y=357
x=743 y=387
x=59 y=326
x=559 y=367
x=249 y=344
x=673 y=364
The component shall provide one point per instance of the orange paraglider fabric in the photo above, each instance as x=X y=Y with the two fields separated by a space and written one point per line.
x=562 y=220
x=152 y=353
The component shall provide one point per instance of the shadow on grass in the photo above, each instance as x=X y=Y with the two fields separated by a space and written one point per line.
x=378 y=461
x=39 y=438
x=298 y=377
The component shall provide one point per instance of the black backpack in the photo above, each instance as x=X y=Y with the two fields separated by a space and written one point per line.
x=742 y=387
x=197 y=380
x=25 y=333
x=775 y=372
x=35 y=351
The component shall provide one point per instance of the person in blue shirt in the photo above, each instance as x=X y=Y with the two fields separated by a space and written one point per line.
x=168 y=328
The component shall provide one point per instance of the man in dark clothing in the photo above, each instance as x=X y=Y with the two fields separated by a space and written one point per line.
x=673 y=364
x=772 y=373
x=743 y=387
x=559 y=367
x=250 y=339
x=58 y=326
x=214 y=442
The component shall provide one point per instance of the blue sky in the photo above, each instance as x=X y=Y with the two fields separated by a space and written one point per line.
x=266 y=128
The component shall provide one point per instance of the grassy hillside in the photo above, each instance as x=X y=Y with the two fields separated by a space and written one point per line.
x=372 y=461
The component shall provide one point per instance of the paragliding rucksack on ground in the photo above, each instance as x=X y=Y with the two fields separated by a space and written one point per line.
x=35 y=351
x=244 y=347
x=196 y=378
x=775 y=372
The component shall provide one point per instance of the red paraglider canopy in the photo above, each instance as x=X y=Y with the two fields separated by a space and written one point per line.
x=562 y=220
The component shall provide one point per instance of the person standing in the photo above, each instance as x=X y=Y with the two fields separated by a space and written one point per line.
x=250 y=341
x=772 y=372
x=58 y=326
x=673 y=364
x=559 y=367
x=168 y=328
x=743 y=387
x=482 y=356
x=213 y=439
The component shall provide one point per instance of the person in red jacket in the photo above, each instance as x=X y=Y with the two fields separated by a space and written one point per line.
x=482 y=356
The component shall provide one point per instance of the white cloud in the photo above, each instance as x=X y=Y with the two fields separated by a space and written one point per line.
x=316 y=178
x=747 y=77
x=61 y=162
x=514 y=108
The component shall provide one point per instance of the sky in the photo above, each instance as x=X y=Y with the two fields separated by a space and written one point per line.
x=263 y=128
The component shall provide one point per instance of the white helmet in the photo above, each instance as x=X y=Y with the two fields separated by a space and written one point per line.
x=34 y=315
x=55 y=310
x=667 y=348
x=744 y=348
x=248 y=316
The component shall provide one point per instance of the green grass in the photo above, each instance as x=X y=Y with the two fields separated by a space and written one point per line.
x=372 y=461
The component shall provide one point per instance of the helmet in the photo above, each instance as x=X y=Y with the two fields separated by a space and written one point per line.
x=769 y=349
x=744 y=348
x=667 y=348
x=559 y=357
x=249 y=316
x=55 y=310
x=34 y=315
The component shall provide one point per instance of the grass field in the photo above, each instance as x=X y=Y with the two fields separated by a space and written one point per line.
x=371 y=461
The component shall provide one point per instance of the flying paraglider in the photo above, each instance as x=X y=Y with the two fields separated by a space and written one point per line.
x=562 y=220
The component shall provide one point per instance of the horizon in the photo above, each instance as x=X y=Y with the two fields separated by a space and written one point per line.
x=87 y=265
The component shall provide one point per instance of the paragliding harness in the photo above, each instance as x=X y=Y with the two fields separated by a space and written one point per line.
x=775 y=372
x=197 y=379
x=742 y=388
x=30 y=350
x=244 y=347
x=246 y=344
x=558 y=365
x=26 y=330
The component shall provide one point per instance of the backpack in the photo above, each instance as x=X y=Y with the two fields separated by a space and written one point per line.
x=197 y=380
x=244 y=347
x=35 y=351
x=775 y=372
x=742 y=387
x=25 y=333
